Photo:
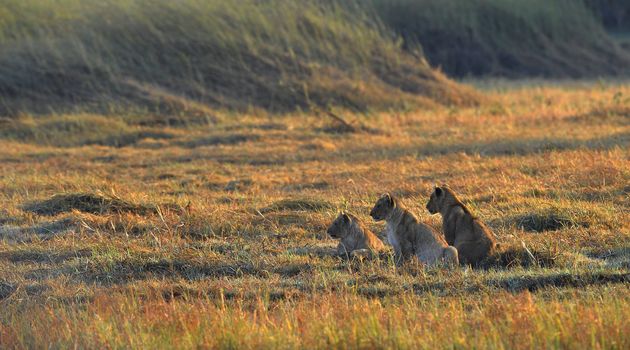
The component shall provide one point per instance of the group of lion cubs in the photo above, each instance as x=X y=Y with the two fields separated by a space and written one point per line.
x=468 y=240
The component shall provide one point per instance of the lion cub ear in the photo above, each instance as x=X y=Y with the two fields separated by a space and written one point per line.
x=438 y=191
x=389 y=198
x=345 y=216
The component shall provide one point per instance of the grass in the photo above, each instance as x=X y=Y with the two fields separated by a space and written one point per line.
x=77 y=130
x=333 y=321
x=184 y=62
x=215 y=235
x=510 y=38
x=186 y=59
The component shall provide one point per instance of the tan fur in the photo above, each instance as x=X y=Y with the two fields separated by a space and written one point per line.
x=472 y=238
x=410 y=237
x=354 y=236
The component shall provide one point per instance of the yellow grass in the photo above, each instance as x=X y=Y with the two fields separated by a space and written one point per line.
x=229 y=249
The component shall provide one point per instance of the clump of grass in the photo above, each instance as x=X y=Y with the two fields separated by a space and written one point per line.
x=548 y=221
x=86 y=202
x=160 y=56
x=506 y=37
x=552 y=216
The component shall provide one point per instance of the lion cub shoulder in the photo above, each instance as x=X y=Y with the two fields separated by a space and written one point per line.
x=353 y=235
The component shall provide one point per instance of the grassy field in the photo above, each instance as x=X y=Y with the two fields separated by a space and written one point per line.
x=122 y=232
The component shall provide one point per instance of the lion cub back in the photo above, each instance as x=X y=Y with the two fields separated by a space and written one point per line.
x=472 y=238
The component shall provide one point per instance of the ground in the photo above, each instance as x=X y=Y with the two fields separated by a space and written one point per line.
x=212 y=234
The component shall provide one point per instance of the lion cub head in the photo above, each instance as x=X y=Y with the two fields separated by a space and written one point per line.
x=383 y=207
x=340 y=227
x=440 y=198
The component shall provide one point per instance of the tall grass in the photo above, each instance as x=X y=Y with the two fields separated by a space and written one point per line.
x=337 y=321
x=559 y=38
x=274 y=54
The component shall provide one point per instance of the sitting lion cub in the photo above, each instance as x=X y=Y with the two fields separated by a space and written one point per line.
x=472 y=238
x=356 y=239
x=410 y=237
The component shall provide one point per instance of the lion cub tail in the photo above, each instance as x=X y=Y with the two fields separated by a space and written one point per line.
x=450 y=256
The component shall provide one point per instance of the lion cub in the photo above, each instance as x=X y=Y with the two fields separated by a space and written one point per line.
x=410 y=237
x=472 y=238
x=356 y=239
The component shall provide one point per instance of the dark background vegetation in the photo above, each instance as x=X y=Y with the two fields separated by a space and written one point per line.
x=560 y=38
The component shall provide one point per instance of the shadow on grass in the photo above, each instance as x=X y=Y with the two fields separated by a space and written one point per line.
x=48 y=257
x=619 y=257
x=559 y=280
x=232 y=139
x=122 y=272
x=42 y=231
x=367 y=152
x=513 y=257
x=76 y=130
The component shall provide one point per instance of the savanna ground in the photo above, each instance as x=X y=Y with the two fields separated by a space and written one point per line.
x=119 y=232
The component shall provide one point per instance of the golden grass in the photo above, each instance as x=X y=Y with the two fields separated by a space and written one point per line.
x=233 y=252
x=502 y=320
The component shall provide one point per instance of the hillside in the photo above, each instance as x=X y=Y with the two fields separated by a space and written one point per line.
x=190 y=57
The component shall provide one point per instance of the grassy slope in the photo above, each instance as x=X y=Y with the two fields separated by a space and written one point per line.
x=186 y=56
x=217 y=256
x=507 y=37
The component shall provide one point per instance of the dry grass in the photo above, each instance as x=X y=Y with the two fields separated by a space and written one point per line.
x=231 y=250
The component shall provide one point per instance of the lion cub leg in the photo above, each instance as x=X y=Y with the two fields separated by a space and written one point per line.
x=450 y=256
